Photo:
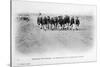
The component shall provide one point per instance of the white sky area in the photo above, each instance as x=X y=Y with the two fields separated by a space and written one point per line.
x=52 y=8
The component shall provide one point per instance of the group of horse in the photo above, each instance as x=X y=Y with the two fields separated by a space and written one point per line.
x=58 y=22
x=55 y=22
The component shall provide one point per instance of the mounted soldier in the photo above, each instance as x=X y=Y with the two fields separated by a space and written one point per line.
x=60 y=20
x=44 y=22
x=48 y=22
x=66 y=21
x=72 y=21
x=52 y=23
x=40 y=21
x=55 y=22
x=77 y=23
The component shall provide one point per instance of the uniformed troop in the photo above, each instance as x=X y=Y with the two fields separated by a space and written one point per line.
x=54 y=22
x=58 y=22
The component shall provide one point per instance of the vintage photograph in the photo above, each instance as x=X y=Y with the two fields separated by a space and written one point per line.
x=52 y=33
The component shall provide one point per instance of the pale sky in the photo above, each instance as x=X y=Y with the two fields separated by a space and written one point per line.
x=52 y=8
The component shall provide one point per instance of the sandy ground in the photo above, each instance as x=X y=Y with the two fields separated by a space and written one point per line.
x=32 y=40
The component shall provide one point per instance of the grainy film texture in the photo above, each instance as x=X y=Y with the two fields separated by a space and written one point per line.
x=43 y=30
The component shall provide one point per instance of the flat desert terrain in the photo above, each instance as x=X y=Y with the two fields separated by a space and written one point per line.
x=31 y=40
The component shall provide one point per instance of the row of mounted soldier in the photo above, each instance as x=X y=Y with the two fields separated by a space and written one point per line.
x=58 y=22
x=55 y=22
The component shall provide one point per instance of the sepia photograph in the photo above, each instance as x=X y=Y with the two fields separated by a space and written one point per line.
x=52 y=33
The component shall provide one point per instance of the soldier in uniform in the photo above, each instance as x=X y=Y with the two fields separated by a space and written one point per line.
x=40 y=22
x=52 y=23
x=55 y=22
x=45 y=23
x=77 y=23
x=67 y=21
x=48 y=22
x=72 y=22
x=60 y=20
